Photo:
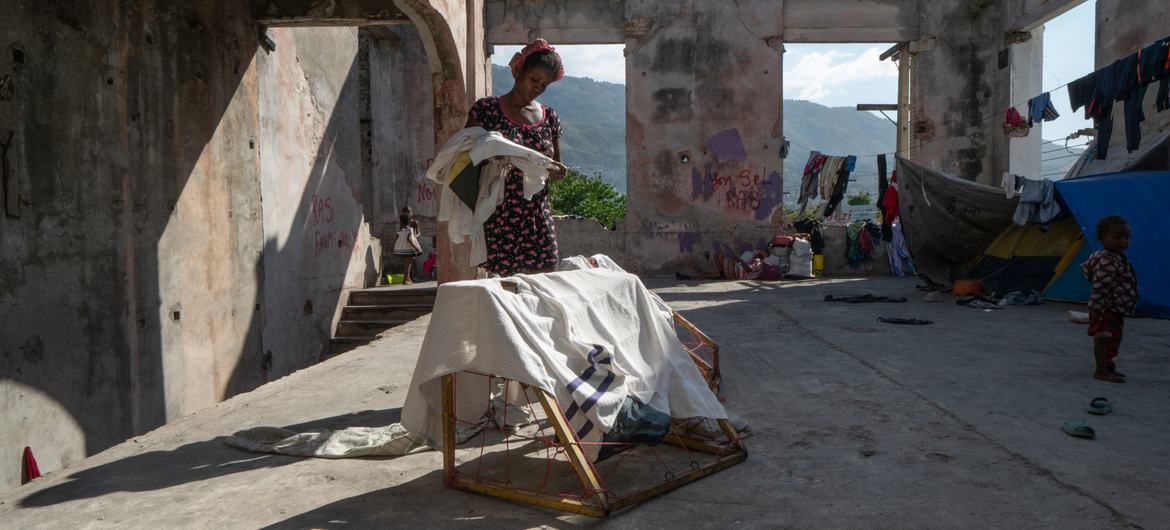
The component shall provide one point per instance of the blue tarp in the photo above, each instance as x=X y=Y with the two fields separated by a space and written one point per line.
x=1071 y=285
x=1143 y=198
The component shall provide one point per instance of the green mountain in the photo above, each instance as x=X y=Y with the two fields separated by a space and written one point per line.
x=593 y=122
x=593 y=116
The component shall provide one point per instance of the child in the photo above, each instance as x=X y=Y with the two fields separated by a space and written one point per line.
x=1114 y=294
x=406 y=246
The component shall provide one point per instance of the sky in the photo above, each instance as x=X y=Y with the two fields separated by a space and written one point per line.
x=843 y=75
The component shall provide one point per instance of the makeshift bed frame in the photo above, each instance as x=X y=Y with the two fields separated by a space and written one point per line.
x=595 y=498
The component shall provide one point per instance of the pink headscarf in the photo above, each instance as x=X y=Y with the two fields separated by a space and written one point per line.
x=538 y=45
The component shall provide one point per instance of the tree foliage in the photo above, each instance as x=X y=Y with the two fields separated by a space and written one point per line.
x=860 y=198
x=587 y=196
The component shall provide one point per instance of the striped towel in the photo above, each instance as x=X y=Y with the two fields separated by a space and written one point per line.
x=598 y=383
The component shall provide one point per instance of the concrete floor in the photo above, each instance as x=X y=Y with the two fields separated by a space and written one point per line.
x=857 y=424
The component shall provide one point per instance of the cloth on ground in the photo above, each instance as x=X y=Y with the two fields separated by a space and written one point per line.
x=865 y=299
x=541 y=335
x=948 y=222
x=977 y=302
x=1030 y=297
x=1037 y=204
x=353 y=442
x=901 y=263
x=479 y=145
x=906 y=321
x=1040 y=109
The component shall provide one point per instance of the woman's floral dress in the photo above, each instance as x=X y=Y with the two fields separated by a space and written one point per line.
x=520 y=236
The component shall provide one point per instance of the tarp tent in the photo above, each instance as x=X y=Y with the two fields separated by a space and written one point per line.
x=948 y=222
x=1143 y=198
x=1026 y=258
x=1070 y=285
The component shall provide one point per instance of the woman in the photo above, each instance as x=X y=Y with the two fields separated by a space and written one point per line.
x=519 y=236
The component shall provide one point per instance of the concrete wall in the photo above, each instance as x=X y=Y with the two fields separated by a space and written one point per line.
x=850 y=20
x=316 y=240
x=704 y=112
x=402 y=117
x=129 y=281
x=586 y=237
x=960 y=89
x=188 y=209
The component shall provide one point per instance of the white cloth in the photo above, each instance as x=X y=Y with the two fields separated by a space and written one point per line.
x=1009 y=184
x=542 y=335
x=352 y=442
x=463 y=223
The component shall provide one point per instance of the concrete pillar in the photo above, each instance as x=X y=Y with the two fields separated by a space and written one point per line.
x=1027 y=80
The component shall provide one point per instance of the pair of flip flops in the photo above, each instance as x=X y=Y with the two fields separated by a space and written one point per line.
x=1080 y=428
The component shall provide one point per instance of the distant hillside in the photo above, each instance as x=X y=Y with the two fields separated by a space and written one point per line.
x=594 y=119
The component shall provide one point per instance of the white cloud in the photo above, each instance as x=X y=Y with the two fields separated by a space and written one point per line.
x=817 y=76
x=602 y=62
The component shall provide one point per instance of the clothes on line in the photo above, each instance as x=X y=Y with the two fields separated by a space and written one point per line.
x=1126 y=79
x=1038 y=203
x=1009 y=184
x=900 y=262
x=827 y=177
x=883 y=185
x=1040 y=109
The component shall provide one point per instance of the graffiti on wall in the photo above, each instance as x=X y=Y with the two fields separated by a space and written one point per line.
x=326 y=237
x=759 y=192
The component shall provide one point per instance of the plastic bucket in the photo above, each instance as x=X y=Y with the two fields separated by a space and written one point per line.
x=965 y=287
x=818 y=265
x=395 y=279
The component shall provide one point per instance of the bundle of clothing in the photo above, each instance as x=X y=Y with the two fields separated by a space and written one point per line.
x=470 y=170
x=826 y=176
x=887 y=199
x=1040 y=108
x=860 y=240
x=1126 y=79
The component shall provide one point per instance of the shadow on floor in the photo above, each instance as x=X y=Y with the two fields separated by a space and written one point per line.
x=193 y=462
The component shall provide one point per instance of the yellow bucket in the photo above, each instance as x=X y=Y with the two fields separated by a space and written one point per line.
x=395 y=279
x=818 y=265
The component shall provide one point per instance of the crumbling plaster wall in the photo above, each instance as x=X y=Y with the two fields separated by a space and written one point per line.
x=128 y=283
x=317 y=243
x=190 y=213
x=402 y=115
x=960 y=89
x=704 y=113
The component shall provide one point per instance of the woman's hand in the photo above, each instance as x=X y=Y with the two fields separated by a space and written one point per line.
x=557 y=171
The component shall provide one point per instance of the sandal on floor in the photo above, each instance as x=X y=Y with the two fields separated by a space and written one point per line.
x=1079 y=429
x=1100 y=406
